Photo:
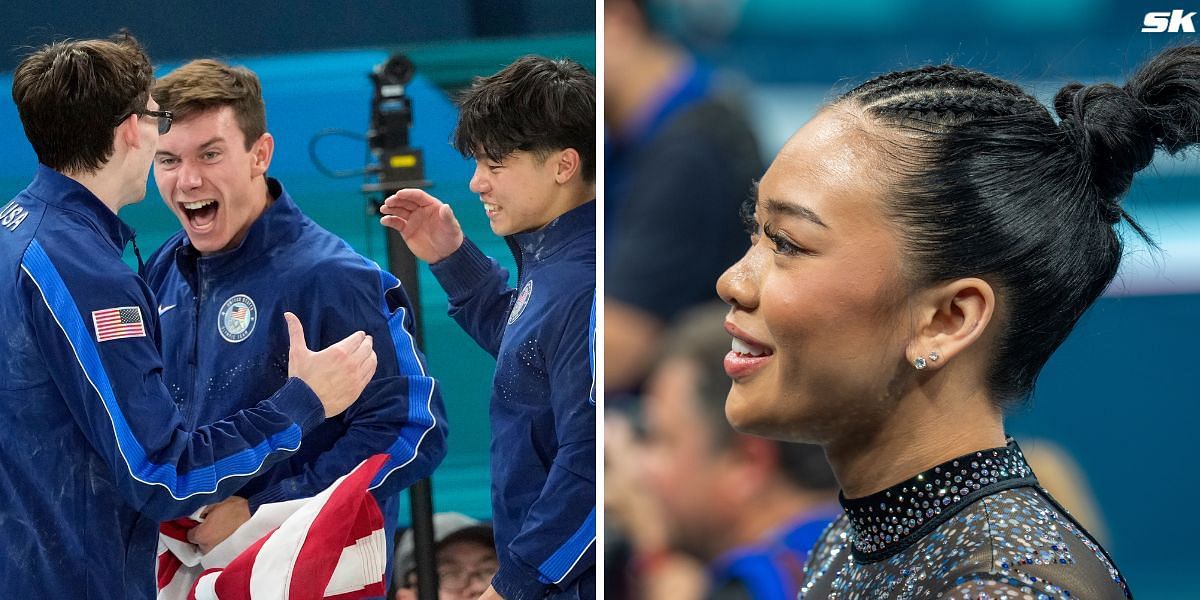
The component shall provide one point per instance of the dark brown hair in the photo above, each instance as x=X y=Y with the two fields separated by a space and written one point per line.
x=72 y=94
x=535 y=105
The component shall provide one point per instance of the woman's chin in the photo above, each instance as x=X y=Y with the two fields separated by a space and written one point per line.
x=772 y=417
x=752 y=414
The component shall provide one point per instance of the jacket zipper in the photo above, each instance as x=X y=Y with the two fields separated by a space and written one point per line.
x=515 y=248
x=193 y=401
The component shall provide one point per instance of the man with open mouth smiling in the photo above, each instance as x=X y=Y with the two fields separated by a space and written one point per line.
x=531 y=129
x=245 y=255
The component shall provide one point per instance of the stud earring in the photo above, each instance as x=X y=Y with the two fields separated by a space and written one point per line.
x=933 y=356
x=919 y=363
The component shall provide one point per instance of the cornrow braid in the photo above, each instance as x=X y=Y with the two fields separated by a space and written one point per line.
x=957 y=105
x=986 y=183
x=933 y=78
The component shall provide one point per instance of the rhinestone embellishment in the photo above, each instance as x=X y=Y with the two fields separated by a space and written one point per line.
x=919 y=363
x=884 y=521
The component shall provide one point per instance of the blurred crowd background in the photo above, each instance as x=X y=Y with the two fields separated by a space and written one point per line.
x=692 y=89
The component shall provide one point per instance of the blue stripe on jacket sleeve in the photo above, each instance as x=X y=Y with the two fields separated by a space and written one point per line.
x=199 y=480
x=567 y=556
x=420 y=418
x=592 y=350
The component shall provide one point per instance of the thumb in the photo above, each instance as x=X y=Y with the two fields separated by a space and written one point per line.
x=295 y=333
x=446 y=213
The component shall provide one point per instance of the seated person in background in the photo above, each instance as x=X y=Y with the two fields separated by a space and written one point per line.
x=747 y=507
x=465 y=552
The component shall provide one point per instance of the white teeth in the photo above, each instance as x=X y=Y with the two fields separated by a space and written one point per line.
x=197 y=204
x=489 y=207
x=743 y=348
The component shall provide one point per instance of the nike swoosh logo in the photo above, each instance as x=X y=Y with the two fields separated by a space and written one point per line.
x=163 y=309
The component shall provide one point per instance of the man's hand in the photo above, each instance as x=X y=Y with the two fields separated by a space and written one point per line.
x=220 y=521
x=337 y=374
x=427 y=224
x=490 y=594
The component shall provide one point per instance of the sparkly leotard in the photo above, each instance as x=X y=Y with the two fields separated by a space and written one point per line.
x=979 y=527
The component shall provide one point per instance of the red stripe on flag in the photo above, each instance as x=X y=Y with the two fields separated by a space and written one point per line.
x=168 y=565
x=234 y=582
x=178 y=529
x=349 y=503
x=374 y=590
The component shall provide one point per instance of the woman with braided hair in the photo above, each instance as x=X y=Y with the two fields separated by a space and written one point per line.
x=919 y=250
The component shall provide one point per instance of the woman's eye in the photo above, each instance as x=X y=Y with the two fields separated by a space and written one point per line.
x=783 y=246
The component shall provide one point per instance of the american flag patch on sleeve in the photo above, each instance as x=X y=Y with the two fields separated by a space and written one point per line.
x=117 y=323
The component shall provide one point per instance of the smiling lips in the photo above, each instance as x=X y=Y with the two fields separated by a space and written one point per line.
x=746 y=356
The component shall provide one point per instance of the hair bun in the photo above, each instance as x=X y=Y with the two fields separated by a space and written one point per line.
x=1118 y=129
x=1115 y=133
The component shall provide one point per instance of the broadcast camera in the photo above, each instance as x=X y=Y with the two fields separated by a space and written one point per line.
x=398 y=164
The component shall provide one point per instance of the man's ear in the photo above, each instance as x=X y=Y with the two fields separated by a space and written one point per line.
x=950 y=318
x=261 y=153
x=128 y=132
x=567 y=165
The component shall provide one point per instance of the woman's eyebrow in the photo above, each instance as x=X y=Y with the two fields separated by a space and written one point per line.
x=792 y=209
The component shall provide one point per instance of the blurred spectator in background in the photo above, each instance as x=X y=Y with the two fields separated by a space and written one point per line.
x=748 y=508
x=1061 y=475
x=680 y=157
x=465 y=555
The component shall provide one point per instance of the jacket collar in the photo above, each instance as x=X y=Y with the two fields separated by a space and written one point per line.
x=279 y=223
x=537 y=245
x=61 y=191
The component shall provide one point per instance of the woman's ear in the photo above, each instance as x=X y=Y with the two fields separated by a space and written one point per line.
x=950 y=318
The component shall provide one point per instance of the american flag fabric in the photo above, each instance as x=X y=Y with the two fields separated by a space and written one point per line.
x=117 y=323
x=330 y=546
x=238 y=313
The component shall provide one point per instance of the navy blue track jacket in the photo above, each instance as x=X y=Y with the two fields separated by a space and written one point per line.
x=225 y=341
x=543 y=415
x=93 y=452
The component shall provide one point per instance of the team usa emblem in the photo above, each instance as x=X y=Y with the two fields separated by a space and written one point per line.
x=521 y=303
x=236 y=320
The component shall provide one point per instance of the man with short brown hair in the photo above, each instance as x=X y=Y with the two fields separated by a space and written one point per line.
x=246 y=250
x=93 y=453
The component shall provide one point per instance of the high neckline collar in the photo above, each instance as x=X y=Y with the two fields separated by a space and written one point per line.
x=886 y=522
x=53 y=187
x=543 y=242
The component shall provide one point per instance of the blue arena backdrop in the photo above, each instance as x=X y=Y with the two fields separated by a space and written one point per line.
x=307 y=91
x=1121 y=394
